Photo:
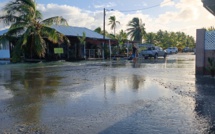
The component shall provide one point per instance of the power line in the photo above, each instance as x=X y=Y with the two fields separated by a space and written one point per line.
x=146 y=8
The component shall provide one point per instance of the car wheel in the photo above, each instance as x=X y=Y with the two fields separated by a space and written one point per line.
x=164 y=55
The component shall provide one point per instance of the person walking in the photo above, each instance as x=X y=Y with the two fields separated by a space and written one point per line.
x=134 y=53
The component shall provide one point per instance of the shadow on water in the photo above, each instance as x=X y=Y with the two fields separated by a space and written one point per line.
x=29 y=87
x=167 y=112
x=205 y=107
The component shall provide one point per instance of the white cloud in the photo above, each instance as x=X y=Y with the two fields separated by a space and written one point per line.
x=188 y=16
x=106 y=5
x=2 y=25
x=167 y=3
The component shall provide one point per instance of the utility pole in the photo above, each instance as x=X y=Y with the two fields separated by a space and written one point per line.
x=104 y=24
x=103 y=56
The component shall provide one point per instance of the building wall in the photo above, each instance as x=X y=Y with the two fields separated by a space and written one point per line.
x=205 y=48
x=4 y=50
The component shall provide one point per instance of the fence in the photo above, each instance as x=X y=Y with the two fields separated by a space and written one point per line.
x=205 y=49
x=210 y=40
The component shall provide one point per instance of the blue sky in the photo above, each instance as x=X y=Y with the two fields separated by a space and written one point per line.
x=171 y=15
x=126 y=6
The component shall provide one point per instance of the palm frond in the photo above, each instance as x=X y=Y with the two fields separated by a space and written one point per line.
x=82 y=38
x=38 y=15
x=57 y=20
x=54 y=36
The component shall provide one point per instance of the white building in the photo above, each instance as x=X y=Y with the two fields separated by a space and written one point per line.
x=4 y=47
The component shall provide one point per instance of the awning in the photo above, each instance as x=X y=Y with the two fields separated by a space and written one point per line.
x=209 y=5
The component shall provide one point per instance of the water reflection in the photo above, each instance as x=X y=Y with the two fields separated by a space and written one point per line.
x=116 y=83
x=136 y=82
x=205 y=100
x=29 y=87
x=109 y=98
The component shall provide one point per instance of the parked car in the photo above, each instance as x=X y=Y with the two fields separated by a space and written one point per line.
x=172 y=50
x=187 y=49
x=161 y=52
x=154 y=51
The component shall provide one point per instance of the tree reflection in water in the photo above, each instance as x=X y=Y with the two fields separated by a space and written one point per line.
x=29 y=88
x=134 y=82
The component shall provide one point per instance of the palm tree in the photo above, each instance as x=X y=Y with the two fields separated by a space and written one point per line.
x=211 y=28
x=136 y=30
x=29 y=28
x=150 y=38
x=113 y=23
x=82 y=41
x=121 y=38
x=98 y=30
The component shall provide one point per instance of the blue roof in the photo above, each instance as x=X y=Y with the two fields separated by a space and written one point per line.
x=72 y=31
x=78 y=31
x=3 y=32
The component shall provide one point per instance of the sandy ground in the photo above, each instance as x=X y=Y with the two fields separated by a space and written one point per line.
x=153 y=96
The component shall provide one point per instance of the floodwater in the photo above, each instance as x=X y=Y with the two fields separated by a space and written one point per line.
x=153 y=96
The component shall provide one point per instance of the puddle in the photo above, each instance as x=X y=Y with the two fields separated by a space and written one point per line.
x=152 y=96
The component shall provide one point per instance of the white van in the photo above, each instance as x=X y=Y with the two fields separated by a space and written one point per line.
x=172 y=50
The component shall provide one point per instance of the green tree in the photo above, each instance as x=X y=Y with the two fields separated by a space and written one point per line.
x=136 y=29
x=121 y=39
x=150 y=38
x=98 y=30
x=31 y=31
x=82 y=41
x=113 y=22
x=167 y=39
x=211 y=28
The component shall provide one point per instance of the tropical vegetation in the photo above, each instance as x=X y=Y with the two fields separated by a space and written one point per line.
x=113 y=22
x=82 y=40
x=136 y=30
x=28 y=31
x=30 y=34
x=137 y=33
x=167 y=39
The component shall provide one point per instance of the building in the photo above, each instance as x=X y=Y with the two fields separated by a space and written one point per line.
x=93 y=47
x=94 y=43
x=205 y=45
x=209 y=5
x=4 y=48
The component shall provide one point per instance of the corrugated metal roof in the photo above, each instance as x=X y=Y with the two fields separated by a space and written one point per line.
x=72 y=31
x=3 y=32
x=78 y=31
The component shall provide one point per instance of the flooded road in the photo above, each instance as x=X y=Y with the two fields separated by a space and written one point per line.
x=152 y=96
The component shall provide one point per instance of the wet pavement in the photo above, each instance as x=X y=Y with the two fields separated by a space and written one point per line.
x=153 y=96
